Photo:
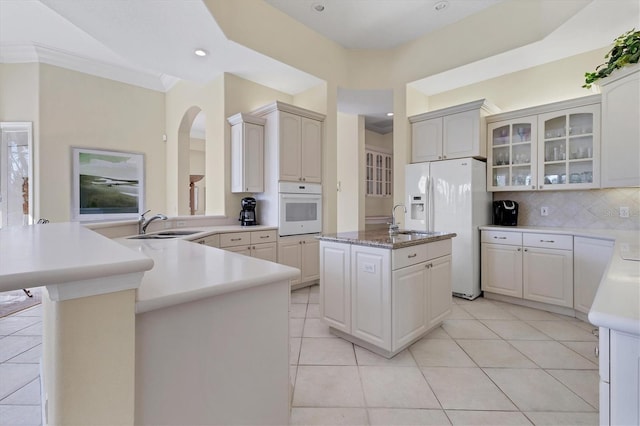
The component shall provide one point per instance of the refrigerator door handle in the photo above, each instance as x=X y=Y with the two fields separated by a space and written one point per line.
x=429 y=204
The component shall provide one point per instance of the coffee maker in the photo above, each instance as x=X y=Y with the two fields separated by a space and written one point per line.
x=248 y=212
x=505 y=213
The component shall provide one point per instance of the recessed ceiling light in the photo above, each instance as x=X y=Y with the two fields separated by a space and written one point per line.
x=200 y=52
x=389 y=114
x=441 y=5
x=318 y=7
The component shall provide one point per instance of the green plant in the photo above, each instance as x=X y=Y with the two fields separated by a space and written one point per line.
x=625 y=51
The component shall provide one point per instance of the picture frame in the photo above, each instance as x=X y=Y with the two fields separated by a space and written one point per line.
x=106 y=185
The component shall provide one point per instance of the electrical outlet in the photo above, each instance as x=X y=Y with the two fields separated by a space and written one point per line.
x=624 y=211
x=544 y=211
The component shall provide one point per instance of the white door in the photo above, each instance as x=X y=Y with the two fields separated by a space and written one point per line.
x=502 y=269
x=311 y=150
x=16 y=176
x=426 y=140
x=417 y=200
x=461 y=136
x=548 y=276
x=290 y=254
x=266 y=251
x=310 y=260
x=590 y=259
x=438 y=290
x=335 y=285
x=289 y=147
x=409 y=297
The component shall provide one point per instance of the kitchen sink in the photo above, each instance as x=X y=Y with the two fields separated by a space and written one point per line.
x=164 y=235
x=422 y=234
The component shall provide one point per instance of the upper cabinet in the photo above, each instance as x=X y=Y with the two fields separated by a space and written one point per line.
x=293 y=142
x=247 y=153
x=448 y=133
x=379 y=173
x=550 y=147
x=621 y=128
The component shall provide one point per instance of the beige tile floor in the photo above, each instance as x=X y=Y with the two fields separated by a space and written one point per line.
x=491 y=363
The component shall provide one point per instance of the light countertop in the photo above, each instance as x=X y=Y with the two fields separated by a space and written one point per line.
x=617 y=302
x=61 y=253
x=381 y=238
x=184 y=271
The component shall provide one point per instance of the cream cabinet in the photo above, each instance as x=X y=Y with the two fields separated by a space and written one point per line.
x=385 y=299
x=335 y=276
x=621 y=128
x=209 y=240
x=378 y=173
x=302 y=252
x=455 y=132
x=547 y=269
x=247 y=153
x=258 y=244
x=619 y=362
x=549 y=147
x=590 y=259
x=531 y=266
x=293 y=143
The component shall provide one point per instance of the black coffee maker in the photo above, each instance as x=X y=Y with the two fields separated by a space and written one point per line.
x=248 y=212
x=505 y=213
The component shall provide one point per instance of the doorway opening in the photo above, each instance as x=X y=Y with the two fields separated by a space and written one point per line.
x=16 y=174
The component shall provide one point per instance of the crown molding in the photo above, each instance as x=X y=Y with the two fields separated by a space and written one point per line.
x=34 y=52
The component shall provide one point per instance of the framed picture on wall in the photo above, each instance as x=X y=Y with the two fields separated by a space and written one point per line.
x=106 y=185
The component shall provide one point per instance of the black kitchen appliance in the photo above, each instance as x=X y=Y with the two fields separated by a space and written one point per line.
x=248 y=212
x=505 y=213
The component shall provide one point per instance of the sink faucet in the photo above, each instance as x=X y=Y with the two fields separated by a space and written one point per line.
x=393 y=226
x=143 y=223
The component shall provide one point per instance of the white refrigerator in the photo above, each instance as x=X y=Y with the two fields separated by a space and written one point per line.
x=452 y=195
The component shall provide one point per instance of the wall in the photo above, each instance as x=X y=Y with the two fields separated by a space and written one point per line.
x=79 y=110
x=197 y=166
x=19 y=97
x=350 y=173
x=595 y=209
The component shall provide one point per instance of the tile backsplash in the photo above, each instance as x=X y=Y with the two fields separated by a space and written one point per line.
x=595 y=209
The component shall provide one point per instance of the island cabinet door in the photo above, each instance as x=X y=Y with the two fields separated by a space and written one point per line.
x=409 y=304
x=371 y=295
x=335 y=285
x=438 y=290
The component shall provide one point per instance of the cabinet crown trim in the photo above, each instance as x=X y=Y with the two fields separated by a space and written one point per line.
x=281 y=106
x=242 y=117
x=540 y=109
x=481 y=104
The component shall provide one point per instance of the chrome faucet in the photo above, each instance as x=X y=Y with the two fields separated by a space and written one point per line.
x=143 y=223
x=393 y=226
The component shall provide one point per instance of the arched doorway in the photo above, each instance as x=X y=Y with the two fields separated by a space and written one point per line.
x=191 y=162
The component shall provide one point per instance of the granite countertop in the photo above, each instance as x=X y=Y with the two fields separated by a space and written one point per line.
x=381 y=238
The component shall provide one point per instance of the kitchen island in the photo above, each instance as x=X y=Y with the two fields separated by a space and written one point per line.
x=384 y=292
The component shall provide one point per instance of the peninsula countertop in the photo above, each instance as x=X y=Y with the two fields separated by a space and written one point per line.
x=184 y=271
x=57 y=254
x=381 y=238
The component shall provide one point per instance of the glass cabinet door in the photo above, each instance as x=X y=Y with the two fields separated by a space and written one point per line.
x=569 y=149
x=512 y=154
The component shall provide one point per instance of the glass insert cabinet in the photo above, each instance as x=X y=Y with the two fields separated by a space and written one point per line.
x=379 y=174
x=547 y=151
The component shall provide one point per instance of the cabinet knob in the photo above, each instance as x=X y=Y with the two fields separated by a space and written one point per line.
x=439 y=157
x=444 y=156
x=304 y=179
x=519 y=249
x=540 y=186
x=533 y=187
x=304 y=242
x=526 y=250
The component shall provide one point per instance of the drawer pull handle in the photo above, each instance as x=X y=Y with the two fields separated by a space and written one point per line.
x=500 y=238
x=235 y=239
x=412 y=255
x=596 y=351
x=547 y=241
x=265 y=236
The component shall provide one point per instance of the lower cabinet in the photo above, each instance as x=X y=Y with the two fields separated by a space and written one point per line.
x=364 y=297
x=532 y=266
x=619 y=377
x=302 y=252
x=258 y=244
x=590 y=259
x=209 y=240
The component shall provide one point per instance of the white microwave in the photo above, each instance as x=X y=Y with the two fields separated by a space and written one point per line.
x=300 y=208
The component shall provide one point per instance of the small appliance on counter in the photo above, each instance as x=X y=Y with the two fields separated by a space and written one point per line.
x=248 y=212
x=505 y=213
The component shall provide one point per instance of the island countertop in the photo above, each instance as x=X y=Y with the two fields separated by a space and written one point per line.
x=381 y=238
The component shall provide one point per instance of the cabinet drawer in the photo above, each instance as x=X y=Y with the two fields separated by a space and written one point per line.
x=438 y=249
x=258 y=237
x=235 y=239
x=563 y=242
x=408 y=256
x=502 y=237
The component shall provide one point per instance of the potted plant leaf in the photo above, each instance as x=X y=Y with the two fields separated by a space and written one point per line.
x=625 y=51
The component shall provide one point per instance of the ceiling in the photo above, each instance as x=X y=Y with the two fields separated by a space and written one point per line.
x=150 y=43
